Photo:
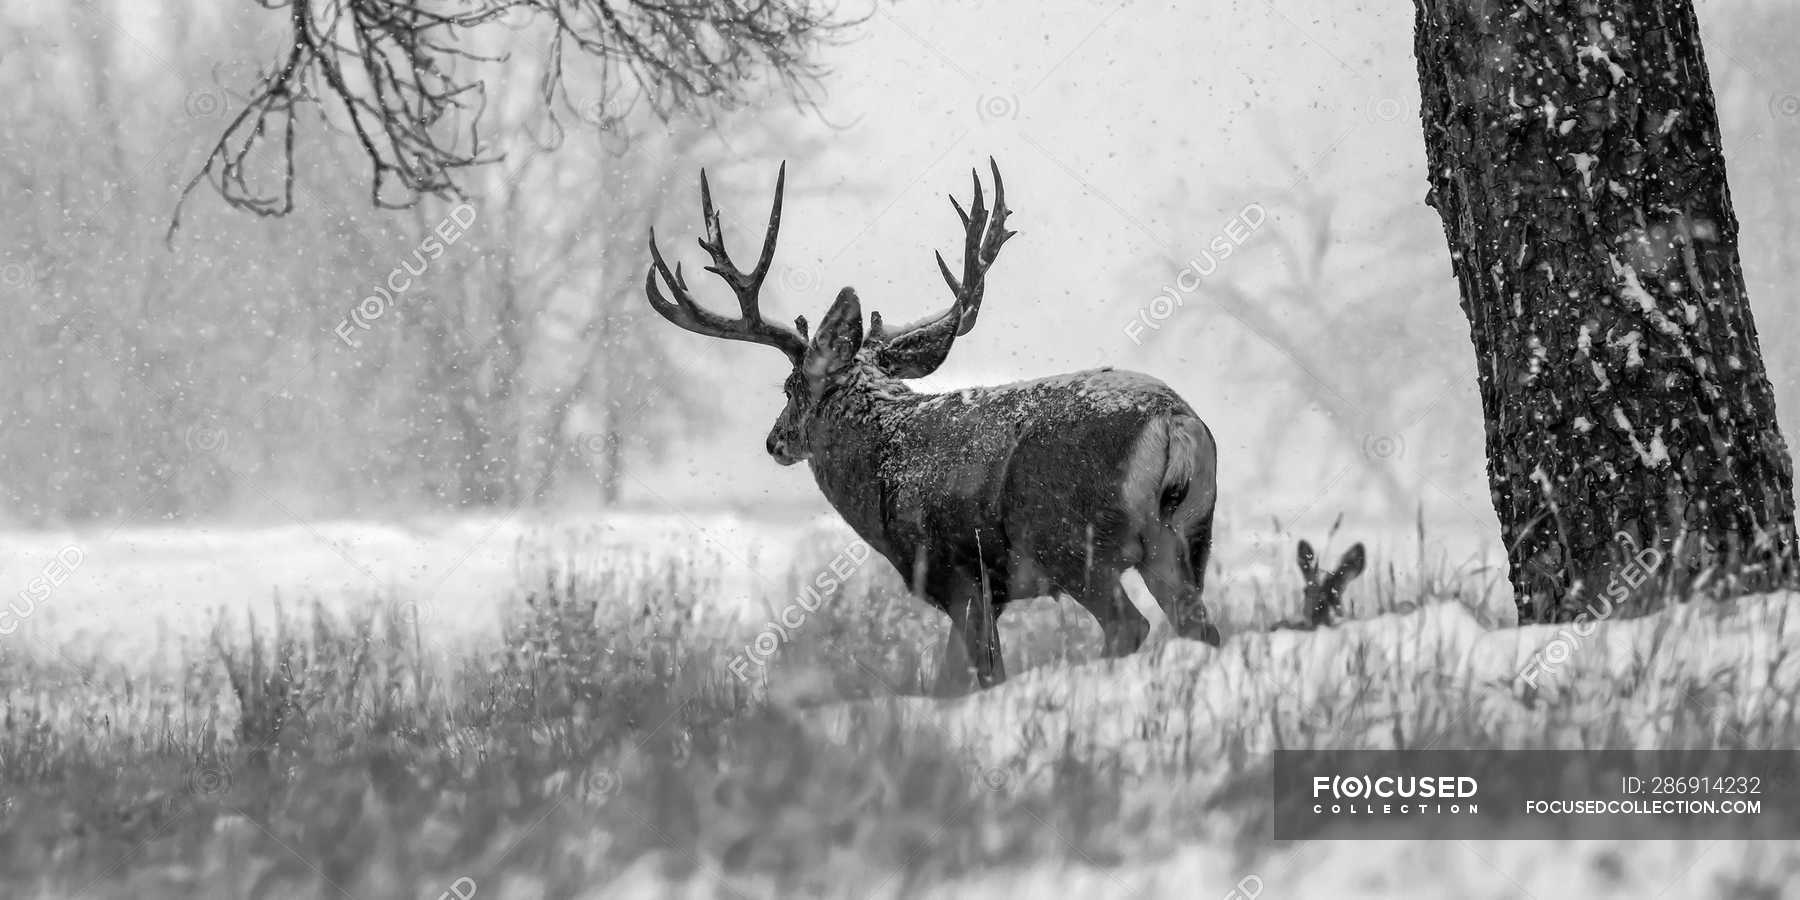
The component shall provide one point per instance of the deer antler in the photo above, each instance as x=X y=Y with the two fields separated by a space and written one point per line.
x=983 y=234
x=750 y=326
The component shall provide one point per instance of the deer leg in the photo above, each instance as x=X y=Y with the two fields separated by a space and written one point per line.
x=1121 y=625
x=955 y=675
x=972 y=654
x=1174 y=570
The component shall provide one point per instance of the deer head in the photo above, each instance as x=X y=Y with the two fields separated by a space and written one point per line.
x=841 y=349
x=1325 y=591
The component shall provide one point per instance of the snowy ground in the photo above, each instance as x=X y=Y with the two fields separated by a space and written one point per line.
x=134 y=597
x=134 y=590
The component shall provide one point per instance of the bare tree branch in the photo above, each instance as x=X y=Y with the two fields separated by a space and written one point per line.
x=399 y=75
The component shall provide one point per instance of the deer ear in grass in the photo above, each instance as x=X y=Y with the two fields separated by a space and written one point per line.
x=1350 y=567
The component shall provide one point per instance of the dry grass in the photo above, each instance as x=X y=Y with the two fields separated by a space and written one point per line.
x=605 y=744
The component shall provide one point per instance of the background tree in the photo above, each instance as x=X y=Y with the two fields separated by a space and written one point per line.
x=1336 y=311
x=144 y=385
x=1756 y=83
x=1574 y=156
x=640 y=383
x=405 y=78
x=209 y=382
x=540 y=368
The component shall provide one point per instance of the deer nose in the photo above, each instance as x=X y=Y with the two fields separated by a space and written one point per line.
x=773 y=444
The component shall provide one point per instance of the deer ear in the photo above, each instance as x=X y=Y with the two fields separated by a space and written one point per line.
x=1309 y=565
x=840 y=335
x=1351 y=566
x=917 y=352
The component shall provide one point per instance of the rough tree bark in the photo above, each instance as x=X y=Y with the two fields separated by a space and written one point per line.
x=1575 y=160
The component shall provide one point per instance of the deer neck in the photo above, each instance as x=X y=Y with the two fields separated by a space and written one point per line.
x=852 y=432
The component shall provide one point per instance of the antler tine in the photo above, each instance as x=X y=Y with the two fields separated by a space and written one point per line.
x=709 y=217
x=746 y=285
x=993 y=236
x=975 y=221
x=1000 y=210
x=944 y=270
x=768 y=247
x=984 y=231
x=681 y=310
x=714 y=241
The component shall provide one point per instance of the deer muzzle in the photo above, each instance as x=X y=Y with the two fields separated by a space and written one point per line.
x=778 y=447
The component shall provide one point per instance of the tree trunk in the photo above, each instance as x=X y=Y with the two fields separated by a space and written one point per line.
x=1575 y=160
x=612 y=463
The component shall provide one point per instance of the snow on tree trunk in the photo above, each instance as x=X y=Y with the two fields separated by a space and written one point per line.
x=1575 y=160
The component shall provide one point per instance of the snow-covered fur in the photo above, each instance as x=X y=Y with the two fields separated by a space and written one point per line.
x=1051 y=486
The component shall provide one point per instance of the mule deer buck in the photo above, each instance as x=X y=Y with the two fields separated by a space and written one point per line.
x=984 y=495
x=1324 y=593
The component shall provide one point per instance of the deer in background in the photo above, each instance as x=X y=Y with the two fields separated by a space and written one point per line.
x=1324 y=594
x=984 y=495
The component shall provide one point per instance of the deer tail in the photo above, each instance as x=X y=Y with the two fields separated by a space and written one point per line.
x=1171 y=473
x=1178 y=468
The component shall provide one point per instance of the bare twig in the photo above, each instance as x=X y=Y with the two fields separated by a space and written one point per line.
x=397 y=74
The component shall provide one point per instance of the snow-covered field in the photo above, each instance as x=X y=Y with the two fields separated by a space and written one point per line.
x=130 y=588
x=1175 y=723
x=132 y=591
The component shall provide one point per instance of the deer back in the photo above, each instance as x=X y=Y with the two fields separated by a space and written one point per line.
x=960 y=476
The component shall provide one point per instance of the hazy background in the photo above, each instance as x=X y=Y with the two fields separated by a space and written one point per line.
x=204 y=382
